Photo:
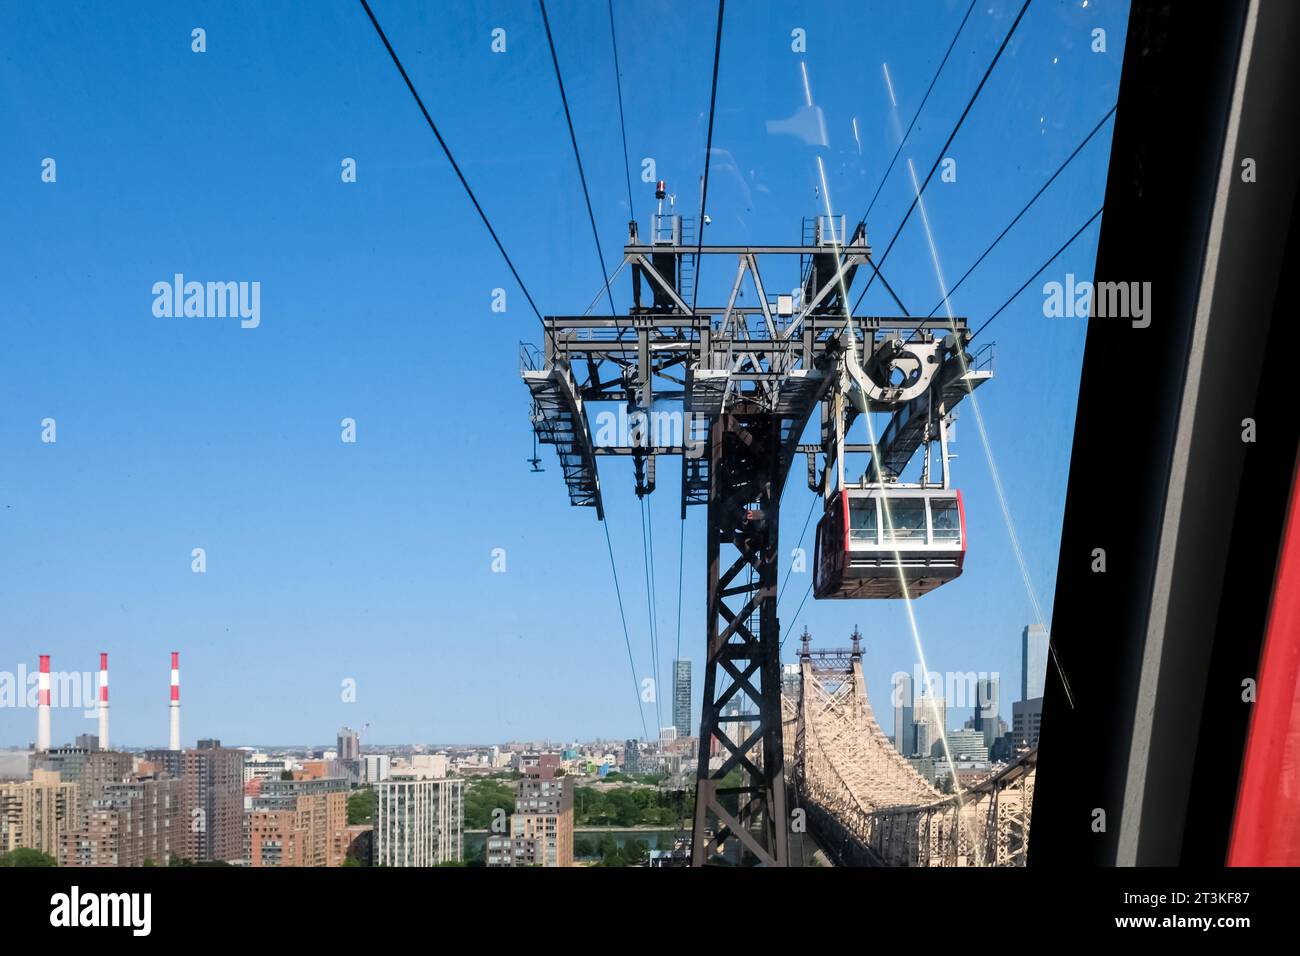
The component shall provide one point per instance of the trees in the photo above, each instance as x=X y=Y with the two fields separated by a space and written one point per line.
x=23 y=856
x=361 y=807
x=484 y=796
x=636 y=852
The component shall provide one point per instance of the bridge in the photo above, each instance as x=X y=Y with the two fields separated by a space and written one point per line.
x=866 y=804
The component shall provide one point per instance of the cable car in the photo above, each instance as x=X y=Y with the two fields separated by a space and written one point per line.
x=860 y=549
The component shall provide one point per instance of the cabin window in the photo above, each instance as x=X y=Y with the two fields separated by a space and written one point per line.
x=945 y=519
x=862 y=520
x=907 y=517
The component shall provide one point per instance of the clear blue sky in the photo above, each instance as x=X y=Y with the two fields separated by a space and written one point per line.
x=372 y=561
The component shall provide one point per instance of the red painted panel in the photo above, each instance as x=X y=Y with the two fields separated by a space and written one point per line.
x=1266 y=828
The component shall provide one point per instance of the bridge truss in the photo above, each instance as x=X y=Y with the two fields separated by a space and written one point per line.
x=867 y=804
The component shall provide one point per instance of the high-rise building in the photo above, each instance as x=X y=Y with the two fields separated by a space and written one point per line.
x=212 y=801
x=964 y=745
x=349 y=744
x=167 y=761
x=1033 y=662
x=89 y=770
x=376 y=767
x=38 y=813
x=931 y=720
x=299 y=823
x=682 y=698
x=418 y=821
x=986 y=719
x=131 y=823
x=904 y=721
x=631 y=756
x=1026 y=720
x=541 y=828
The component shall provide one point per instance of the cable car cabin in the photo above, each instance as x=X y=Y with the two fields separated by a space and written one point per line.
x=859 y=553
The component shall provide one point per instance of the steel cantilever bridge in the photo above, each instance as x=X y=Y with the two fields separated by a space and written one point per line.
x=867 y=805
x=730 y=388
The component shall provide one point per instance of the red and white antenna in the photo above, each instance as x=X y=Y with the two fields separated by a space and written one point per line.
x=103 y=701
x=175 y=741
x=43 y=706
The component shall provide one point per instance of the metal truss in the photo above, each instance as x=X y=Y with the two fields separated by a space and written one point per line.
x=730 y=388
x=867 y=802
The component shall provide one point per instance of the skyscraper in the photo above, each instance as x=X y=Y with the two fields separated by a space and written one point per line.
x=986 y=709
x=1026 y=721
x=931 y=720
x=631 y=757
x=212 y=802
x=349 y=747
x=90 y=770
x=137 y=820
x=682 y=698
x=1033 y=662
x=904 y=728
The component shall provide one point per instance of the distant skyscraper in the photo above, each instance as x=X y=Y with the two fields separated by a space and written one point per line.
x=682 y=698
x=90 y=770
x=965 y=745
x=931 y=721
x=212 y=802
x=349 y=744
x=1026 y=718
x=631 y=757
x=133 y=821
x=904 y=726
x=1033 y=662
x=986 y=709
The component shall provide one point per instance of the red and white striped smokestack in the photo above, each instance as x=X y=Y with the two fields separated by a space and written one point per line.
x=103 y=702
x=175 y=742
x=43 y=706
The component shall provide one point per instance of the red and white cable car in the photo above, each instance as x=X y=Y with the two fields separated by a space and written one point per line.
x=889 y=542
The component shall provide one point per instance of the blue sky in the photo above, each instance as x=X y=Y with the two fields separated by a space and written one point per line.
x=371 y=561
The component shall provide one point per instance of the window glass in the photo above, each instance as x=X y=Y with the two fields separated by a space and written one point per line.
x=907 y=516
x=945 y=519
x=862 y=519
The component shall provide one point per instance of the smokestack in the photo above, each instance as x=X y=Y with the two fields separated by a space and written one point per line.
x=175 y=743
x=103 y=702
x=43 y=706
